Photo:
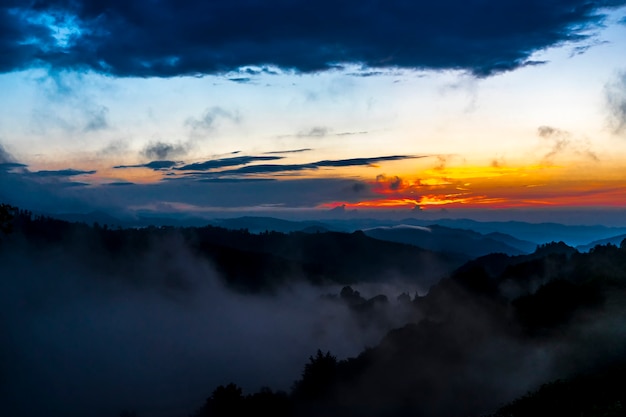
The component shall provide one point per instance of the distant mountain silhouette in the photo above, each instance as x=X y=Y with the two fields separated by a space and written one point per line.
x=441 y=238
x=615 y=240
x=248 y=261
x=271 y=224
x=523 y=245
x=519 y=235
x=534 y=232
x=343 y=258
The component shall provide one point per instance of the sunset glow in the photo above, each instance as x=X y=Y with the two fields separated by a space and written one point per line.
x=530 y=121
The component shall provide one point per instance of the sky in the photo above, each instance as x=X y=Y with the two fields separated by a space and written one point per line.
x=500 y=109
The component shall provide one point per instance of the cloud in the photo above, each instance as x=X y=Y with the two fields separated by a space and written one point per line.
x=209 y=118
x=120 y=183
x=321 y=132
x=363 y=161
x=363 y=132
x=226 y=162
x=560 y=142
x=240 y=80
x=6 y=166
x=8 y=162
x=62 y=173
x=155 y=165
x=114 y=148
x=155 y=328
x=498 y=162
x=97 y=119
x=66 y=104
x=359 y=187
x=267 y=169
x=290 y=151
x=162 y=150
x=615 y=92
x=314 y=132
x=166 y=40
x=5 y=156
x=393 y=183
x=276 y=168
x=549 y=131
x=44 y=191
x=235 y=180
x=215 y=195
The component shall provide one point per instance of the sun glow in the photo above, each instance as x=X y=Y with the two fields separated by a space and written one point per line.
x=492 y=186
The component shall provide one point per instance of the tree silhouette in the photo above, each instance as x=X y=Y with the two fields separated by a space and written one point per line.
x=226 y=401
x=317 y=378
x=6 y=218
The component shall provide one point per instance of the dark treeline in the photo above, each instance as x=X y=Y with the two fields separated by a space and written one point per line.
x=249 y=262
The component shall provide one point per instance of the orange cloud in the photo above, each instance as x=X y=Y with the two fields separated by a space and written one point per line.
x=494 y=186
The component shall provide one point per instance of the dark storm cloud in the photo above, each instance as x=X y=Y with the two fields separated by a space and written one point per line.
x=195 y=38
x=226 y=162
x=616 y=101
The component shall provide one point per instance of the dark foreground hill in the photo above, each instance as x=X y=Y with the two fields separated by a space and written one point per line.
x=76 y=340
x=495 y=329
x=600 y=393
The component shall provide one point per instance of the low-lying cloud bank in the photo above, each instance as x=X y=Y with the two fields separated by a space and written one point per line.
x=155 y=335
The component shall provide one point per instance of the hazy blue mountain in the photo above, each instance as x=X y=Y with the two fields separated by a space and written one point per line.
x=534 y=232
x=440 y=238
x=141 y=220
x=615 y=240
x=523 y=245
x=99 y=217
x=522 y=236
x=263 y=224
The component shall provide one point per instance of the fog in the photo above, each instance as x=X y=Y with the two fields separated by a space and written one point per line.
x=155 y=334
x=91 y=331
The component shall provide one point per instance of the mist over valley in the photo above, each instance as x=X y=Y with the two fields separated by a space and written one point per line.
x=100 y=320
